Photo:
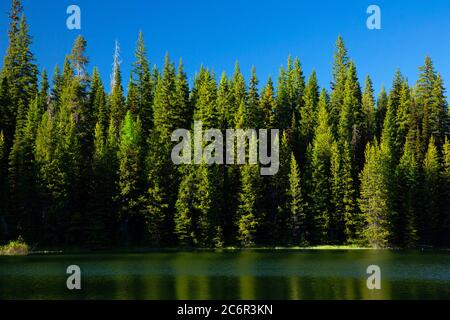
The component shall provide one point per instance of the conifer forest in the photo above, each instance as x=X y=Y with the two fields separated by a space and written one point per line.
x=87 y=164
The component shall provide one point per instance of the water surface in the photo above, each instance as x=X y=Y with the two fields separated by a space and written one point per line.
x=248 y=274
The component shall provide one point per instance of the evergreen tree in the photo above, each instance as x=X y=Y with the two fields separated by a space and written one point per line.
x=403 y=118
x=3 y=189
x=182 y=97
x=250 y=215
x=351 y=118
x=102 y=218
x=382 y=104
x=98 y=101
x=19 y=69
x=117 y=100
x=369 y=112
x=185 y=215
x=430 y=220
x=22 y=176
x=267 y=105
x=145 y=85
x=254 y=114
x=407 y=175
x=321 y=193
x=308 y=112
x=445 y=236
x=374 y=199
x=278 y=217
x=129 y=179
x=340 y=66
x=297 y=214
x=170 y=107
x=239 y=96
x=282 y=110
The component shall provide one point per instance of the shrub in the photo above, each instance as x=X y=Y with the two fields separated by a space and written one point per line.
x=15 y=248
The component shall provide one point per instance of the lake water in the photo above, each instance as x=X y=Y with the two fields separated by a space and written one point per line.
x=247 y=274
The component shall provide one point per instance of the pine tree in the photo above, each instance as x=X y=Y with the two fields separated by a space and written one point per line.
x=129 y=181
x=98 y=101
x=145 y=85
x=278 y=217
x=186 y=215
x=169 y=113
x=445 y=237
x=340 y=66
x=430 y=220
x=282 y=109
x=403 y=118
x=3 y=188
x=308 y=113
x=374 y=202
x=117 y=100
x=382 y=104
x=296 y=87
x=7 y=119
x=132 y=101
x=224 y=98
x=78 y=58
x=351 y=119
x=407 y=175
x=163 y=184
x=267 y=105
x=206 y=109
x=250 y=215
x=183 y=105
x=297 y=214
x=424 y=96
x=369 y=112
x=438 y=112
x=22 y=176
x=101 y=220
x=19 y=68
x=255 y=116
x=239 y=96
x=321 y=196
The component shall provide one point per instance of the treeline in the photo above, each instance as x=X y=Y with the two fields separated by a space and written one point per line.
x=83 y=167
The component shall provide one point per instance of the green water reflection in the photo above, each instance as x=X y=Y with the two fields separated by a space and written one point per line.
x=229 y=275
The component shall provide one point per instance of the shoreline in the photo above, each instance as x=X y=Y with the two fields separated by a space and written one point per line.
x=79 y=251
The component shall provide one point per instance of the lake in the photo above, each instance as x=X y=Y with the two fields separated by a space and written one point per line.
x=246 y=274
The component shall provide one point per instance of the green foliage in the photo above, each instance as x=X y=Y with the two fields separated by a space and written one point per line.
x=249 y=212
x=297 y=214
x=308 y=112
x=80 y=167
x=15 y=248
x=374 y=200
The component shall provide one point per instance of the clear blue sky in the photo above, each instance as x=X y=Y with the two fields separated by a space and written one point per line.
x=256 y=32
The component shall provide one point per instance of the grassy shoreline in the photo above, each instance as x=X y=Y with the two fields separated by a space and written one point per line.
x=17 y=248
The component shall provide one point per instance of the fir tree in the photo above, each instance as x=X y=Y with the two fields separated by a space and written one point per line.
x=340 y=66
x=129 y=178
x=297 y=214
x=250 y=215
x=117 y=100
x=321 y=193
x=430 y=220
x=308 y=113
x=369 y=112
x=145 y=85
x=407 y=175
x=382 y=104
x=374 y=199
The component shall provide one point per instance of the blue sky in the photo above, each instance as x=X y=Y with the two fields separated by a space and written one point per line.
x=256 y=32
